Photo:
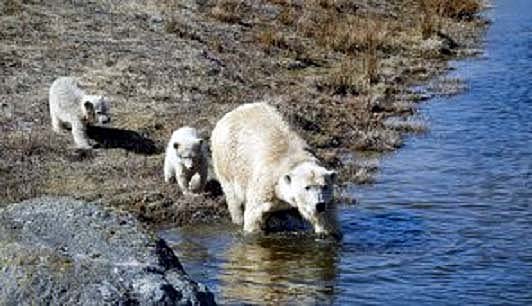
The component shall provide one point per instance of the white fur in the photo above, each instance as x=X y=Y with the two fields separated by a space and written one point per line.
x=264 y=166
x=188 y=163
x=71 y=106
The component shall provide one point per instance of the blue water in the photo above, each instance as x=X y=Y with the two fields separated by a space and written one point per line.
x=448 y=221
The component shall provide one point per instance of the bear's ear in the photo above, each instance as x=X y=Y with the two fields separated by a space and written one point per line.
x=88 y=112
x=287 y=179
x=176 y=145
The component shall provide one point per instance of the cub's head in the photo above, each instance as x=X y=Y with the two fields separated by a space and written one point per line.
x=96 y=109
x=309 y=187
x=189 y=151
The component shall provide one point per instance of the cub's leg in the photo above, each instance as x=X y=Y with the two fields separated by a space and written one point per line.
x=182 y=180
x=79 y=132
x=56 y=124
x=169 y=171
x=195 y=184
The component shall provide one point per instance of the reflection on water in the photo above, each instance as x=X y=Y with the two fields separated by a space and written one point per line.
x=449 y=220
x=267 y=270
x=298 y=268
x=279 y=270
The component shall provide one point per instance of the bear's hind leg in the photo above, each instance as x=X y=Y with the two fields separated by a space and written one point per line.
x=235 y=205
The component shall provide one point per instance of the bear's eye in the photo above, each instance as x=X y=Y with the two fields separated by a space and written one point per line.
x=307 y=188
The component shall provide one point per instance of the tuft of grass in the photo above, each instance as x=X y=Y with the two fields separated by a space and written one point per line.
x=287 y=16
x=268 y=39
x=430 y=18
x=376 y=36
x=433 y=11
x=181 y=29
x=378 y=140
x=459 y=9
x=229 y=11
x=406 y=125
x=346 y=78
x=12 y=7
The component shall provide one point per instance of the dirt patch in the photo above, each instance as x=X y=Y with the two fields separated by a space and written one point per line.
x=337 y=70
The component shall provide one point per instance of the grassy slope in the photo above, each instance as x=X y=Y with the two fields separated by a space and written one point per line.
x=337 y=70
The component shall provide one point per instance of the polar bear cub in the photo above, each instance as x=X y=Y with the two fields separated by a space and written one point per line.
x=186 y=160
x=264 y=166
x=72 y=107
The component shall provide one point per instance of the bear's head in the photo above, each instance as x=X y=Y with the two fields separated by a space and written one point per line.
x=189 y=152
x=309 y=188
x=96 y=109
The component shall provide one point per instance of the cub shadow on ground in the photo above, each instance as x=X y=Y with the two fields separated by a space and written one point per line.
x=112 y=138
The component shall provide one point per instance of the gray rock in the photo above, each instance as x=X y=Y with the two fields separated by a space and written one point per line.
x=156 y=19
x=64 y=251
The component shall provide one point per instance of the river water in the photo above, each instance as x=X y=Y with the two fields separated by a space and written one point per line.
x=449 y=220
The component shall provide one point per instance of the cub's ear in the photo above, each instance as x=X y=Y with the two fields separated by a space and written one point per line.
x=287 y=179
x=88 y=111
x=176 y=145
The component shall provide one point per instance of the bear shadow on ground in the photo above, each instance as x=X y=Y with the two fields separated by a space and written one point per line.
x=111 y=138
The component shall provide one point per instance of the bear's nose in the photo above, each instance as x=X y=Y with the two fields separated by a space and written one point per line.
x=320 y=207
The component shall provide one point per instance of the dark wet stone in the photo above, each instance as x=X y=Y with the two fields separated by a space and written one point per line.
x=63 y=251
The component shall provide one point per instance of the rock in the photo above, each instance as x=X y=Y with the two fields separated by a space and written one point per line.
x=64 y=251
x=156 y=19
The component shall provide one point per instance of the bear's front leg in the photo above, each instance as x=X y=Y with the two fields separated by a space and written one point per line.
x=254 y=216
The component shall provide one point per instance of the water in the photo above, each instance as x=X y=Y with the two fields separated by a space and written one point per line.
x=449 y=220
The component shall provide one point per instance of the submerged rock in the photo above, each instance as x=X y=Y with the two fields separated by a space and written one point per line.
x=64 y=251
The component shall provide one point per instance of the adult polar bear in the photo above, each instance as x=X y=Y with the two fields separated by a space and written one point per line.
x=265 y=166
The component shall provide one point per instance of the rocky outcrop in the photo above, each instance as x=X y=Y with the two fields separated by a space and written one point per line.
x=63 y=251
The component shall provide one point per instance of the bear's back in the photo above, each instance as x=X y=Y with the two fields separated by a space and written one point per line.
x=253 y=136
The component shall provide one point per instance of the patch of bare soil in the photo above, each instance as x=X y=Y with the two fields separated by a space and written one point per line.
x=338 y=70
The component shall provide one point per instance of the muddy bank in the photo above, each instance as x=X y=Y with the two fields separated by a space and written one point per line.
x=338 y=70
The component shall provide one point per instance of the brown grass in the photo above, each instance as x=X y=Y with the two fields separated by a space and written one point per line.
x=340 y=67
x=346 y=78
x=270 y=39
x=12 y=7
x=459 y=9
x=230 y=11
x=432 y=12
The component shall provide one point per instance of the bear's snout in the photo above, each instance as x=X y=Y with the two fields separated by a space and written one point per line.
x=320 y=207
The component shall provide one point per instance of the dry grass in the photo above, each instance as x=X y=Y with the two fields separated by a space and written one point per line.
x=271 y=40
x=230 y=11
x=346 y=78
x=406 y=125
x=433 y=11
x=12 y=7
x=460 y=9
x=328 y=60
